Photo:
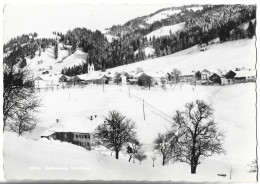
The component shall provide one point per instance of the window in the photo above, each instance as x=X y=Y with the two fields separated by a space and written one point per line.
x=65 y=135
x=86 y=136
x=87 y=143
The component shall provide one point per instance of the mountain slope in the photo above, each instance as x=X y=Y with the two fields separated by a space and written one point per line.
x=166 y=30
x=225 y=56
x=46 y=61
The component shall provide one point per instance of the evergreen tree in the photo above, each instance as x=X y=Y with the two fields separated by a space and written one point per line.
x=250 y=30
x=56 y=51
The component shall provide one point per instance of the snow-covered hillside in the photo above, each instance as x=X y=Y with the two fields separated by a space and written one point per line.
x=149 y=51
x=161 y=15
x=224 y=56
x=164 y=31
x=47 y=62
x=110 y=38
x=196 y=8
x=234 y=112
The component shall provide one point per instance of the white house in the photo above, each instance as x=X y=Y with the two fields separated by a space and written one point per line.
x=245 y=76
x=205 y=75
x=78 y=131
x=47 y=80
x=225 y=81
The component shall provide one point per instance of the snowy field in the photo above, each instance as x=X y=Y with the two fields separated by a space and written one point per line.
x=165 y=30
x=224 y=56
x=161 y=15
x=35 y=158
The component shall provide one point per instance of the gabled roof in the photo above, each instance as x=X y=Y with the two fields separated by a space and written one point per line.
x=80 y=125
x=94 y=76
x=49 y=77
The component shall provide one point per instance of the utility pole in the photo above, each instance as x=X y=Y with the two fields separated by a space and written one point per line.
x=103 y=86
x=143 y=109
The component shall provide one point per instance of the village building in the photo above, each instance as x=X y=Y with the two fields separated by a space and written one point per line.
x=188 y=77
x=245 y=76
x=228 y=78
x=45 y=81
x=158 y=77
x=215 y=78
x=93 y=77
x=96 y=78
x=78 y=131
x=205 y=74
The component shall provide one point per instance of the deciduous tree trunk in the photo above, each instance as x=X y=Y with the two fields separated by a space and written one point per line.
x=117 y=154
x=193 y=169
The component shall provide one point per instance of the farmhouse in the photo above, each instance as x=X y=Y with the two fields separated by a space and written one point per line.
x=245 y=76
x=94 y=78
x=158 y=77
x=43 y=81
x=215 y=78
x=205 y=74
x=78 y=131
x=188 y=77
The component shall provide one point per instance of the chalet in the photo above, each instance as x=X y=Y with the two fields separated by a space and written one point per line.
x=226 y=81
x=215 y=78
x=205 y=74
x=78 y=131
x=65 y=78
x=133 y=81
x=95 y=78
x=245 y=76
x=188 y=77
x=157 y=77
x=43 y=81
x=228 y=78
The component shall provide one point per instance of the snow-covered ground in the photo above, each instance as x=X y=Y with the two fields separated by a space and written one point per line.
x=164 y=31
x=35 y=158
x=223 y=56
x=110 y=38
x=149 y=51
x=55 y=65
x=161 y=15
x=196 y=8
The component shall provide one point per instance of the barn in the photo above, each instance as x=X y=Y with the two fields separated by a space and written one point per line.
x=245 y=76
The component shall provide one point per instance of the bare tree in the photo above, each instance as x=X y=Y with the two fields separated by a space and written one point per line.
x=176 y=75
x=117 y=77
x=164 y=145
x=140 y=156
x=19 y=98
x=116 y=132
x=196 y=134
x=153 y=157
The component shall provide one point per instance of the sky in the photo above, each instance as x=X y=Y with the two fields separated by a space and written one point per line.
x=45 y=18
